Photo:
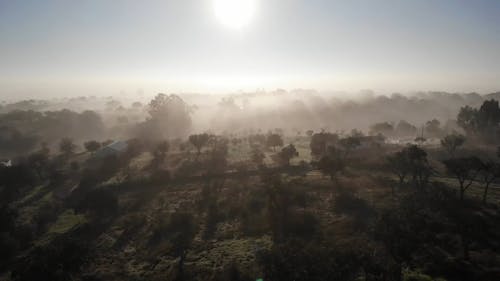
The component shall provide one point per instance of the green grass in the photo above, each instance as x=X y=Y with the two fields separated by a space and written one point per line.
x=31 y=195
x=475 y=190
x=66 y=221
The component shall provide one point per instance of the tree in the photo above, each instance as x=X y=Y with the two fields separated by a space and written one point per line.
x=217 y=161
x=92 y=146
x=384 y=128
x=483 y=121
x=410 y=161
x=465 y=170
x=489 y=114
x=106 y=143
x=309 y=133
x=39 y=160
x=349 y=144
x=257 y=155
x=278 y=205
x=12 y=140
x=332 y=163
x=274 y=140
x=433 y=128
x=287 y=153
x=170 y=116
x=400 y=165
x=199 y=141
x=451 y=142
x=467 y=119
x=180 y=231
x=159 y=154
x=404 y=129
x=13 y=179
x=490 y=171
x=395 y=229
x=320 y=142
x=66 y=146
x=419 y=166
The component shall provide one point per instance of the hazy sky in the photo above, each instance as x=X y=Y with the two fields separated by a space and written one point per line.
x=104 y=46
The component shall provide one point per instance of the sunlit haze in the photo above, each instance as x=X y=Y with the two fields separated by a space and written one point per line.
x=55 y=48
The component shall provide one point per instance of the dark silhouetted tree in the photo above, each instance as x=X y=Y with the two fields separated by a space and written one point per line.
x=180 y=231
x=320 y=142
x=332 y=163
x=287 y=153
x=257 y=155
x=405 y=129
x=159 y=154
x=465 y=170
x=384 y=128
x=170 y=117
x=199 y=141
x=433 y=128
x=452 y=142
x=92 y=146
x=349 y=144
x=490 y=171
x=67 y=147
x=39 y=160
x=274 y=140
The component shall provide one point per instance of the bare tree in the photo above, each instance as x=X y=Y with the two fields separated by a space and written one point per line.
x=465 y=170
x=490 y=172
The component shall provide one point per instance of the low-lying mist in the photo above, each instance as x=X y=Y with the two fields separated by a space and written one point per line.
x=27 y=123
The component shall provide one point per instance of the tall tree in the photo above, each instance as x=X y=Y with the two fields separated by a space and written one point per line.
x=490 y=171
x=170 y=116
x=465 y=170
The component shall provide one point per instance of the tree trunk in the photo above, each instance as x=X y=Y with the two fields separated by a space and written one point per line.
x=180 y=277
x=198 y=152
x=485 y=194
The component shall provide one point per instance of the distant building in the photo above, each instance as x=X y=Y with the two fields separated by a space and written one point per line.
x=6 y=163
x=113 y=148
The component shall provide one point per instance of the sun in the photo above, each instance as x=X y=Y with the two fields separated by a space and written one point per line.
x=235 y=13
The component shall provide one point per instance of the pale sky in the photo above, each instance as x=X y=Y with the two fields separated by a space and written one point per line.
x=88 y=47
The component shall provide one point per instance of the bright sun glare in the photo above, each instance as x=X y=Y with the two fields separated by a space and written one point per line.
x=235 y=13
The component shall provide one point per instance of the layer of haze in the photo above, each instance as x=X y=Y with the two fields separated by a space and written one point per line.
x=56 y=48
